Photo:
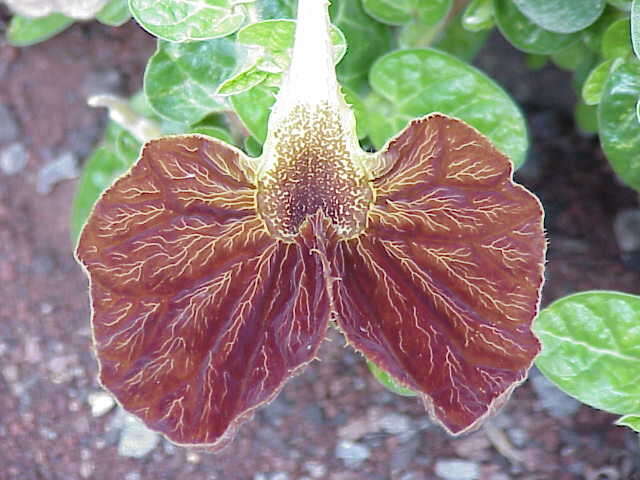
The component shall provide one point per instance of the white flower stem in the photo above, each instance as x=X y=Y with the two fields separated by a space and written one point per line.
x=311 y=78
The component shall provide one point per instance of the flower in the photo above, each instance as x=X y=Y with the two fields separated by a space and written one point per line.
x=214 y=276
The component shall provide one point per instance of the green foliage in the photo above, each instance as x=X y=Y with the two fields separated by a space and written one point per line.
x=180 y=21
x=388 y=381
x=253 y=108
x=594 y=85
x=418 y=82
x=591 y=350
x=631 y=421
x=616 y=41
x=115 y=13
x=561 y=16
x=181 y=80
x=525 y=35
x=367 y=40
x=111 y=159
x=618 y=120
x=24 y=31
x=635 y=27
x=478 y=15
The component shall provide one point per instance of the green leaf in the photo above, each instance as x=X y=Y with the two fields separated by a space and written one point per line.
x=115 y=13
x=635 y=27
x=586 y=117
x=187 y=21
x=425 y=25
x=359 y=110
x=561 y=16
x=242 y=82
x=399 y=12
x=421 y=81
x=573 y=56
x=619 y=127
x=252 y=146
x=367 y=39
x=525 y=35
x=253 y=108
x=594 y=85
x=118 y=152
x=536 y=62
x=215 y=132
x=591 y=348
x=276 y=38
x=616 y=41
x=624 y=5
x=460 y=42
x=275 y=9
x=388 y=381
x=24 y=31
x=631 y=421
x=592 y=36
x=182 y=79
x=394 y=12
x=478 y=16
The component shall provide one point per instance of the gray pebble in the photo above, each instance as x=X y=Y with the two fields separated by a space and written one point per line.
x=396 y=424
x=315 y=469
x=279 y=476
x=353 y=454
x=65 y=167
x=100 y=403
x=553 y=400
x=9 y=129
x=627 y=230
x=454 y=469
x=136 y=440
x=13 y=158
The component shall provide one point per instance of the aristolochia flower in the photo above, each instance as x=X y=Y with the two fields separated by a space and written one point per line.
x=214 y=276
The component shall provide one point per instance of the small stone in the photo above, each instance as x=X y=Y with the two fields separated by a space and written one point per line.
x=136 y=440
x=65 y=167
x=132 y=476
x=553 y=400
x=518 y=436
x=279 y=476
x=413 y=476
x=395 y=424
x=13 y=158
x=315 y=469
x=454 y=469
x=9 y=130
x=193 y=457
x=353 y=454
x=626 y=227
x=260 y=476
x=101 y=403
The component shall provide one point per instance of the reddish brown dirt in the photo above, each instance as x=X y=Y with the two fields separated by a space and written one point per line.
x=47 y=369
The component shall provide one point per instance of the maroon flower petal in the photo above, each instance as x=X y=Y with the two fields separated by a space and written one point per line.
x=199 y=315
x=442 y=289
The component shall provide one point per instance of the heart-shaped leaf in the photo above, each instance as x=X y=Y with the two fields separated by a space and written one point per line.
x=253 y=108
x=367 y=40
x=181 y=80
x=77 y=9
x=525 y=35
x=478 y=15
x=421 y=81
x=618 y=120
x=631 y=421
x=25 y=31
x=195 y=20
x=561 y=16
x=115 y=13
x=591 y=348
x=635 y=27
x=616 y=41
x=388 y=381
x=594 y=85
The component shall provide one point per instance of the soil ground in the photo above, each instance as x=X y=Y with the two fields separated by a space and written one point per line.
x=331 y=422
